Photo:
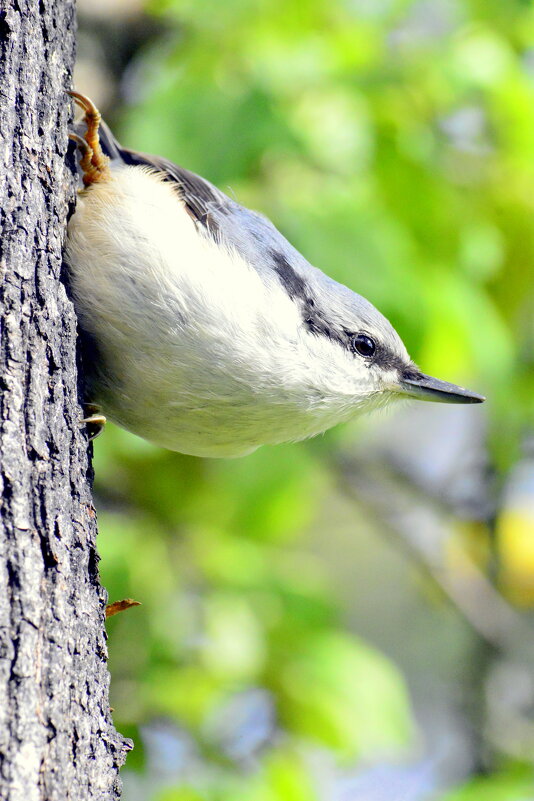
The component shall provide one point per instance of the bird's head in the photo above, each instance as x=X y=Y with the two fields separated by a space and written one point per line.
x=354 y=352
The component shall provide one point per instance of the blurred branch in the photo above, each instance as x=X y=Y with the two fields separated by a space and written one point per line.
x=499 y=697
x=414 y=524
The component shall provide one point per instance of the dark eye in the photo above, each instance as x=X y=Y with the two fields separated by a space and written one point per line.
x=363 y=345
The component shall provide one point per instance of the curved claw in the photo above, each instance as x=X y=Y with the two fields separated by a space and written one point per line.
x=95 y=422
x=94 y=163
x=85 y=150
x=84 y=102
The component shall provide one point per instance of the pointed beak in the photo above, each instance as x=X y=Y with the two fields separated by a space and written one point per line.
x=424 y=387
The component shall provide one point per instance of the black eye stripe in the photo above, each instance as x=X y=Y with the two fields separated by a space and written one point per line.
x=317 y=320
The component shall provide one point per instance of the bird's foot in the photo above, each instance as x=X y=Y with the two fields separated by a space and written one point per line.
x=94 y=420
x=120 y=606
x=94 y=163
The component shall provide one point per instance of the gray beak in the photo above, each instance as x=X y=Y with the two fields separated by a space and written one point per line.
x=424 y=387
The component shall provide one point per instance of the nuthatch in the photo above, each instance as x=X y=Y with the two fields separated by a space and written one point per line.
x=212 y=335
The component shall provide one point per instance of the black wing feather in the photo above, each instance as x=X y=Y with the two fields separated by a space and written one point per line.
x=200 y=197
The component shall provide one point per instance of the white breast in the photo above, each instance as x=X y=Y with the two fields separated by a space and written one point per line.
x=188 y=356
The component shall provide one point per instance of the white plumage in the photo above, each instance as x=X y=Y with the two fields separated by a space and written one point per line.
x=212 y=335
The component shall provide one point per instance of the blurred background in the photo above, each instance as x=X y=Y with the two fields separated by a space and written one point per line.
x=350 y=618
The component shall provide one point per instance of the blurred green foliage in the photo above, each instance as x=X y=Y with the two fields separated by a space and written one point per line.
x=232 y=600
x=513 y=786
x=393 y=143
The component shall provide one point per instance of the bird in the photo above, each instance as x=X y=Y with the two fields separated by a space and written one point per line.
x=209 y=333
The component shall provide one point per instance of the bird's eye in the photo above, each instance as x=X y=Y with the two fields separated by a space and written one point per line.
x=363 y=345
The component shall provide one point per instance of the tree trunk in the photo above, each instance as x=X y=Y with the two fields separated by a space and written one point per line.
x=57 y=739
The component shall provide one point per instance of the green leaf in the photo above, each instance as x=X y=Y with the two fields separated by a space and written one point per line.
x=347 y=695
x=515 y=786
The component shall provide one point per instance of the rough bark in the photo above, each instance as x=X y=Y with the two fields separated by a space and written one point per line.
x=57 y=739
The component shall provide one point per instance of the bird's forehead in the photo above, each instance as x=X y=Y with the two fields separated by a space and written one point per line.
x=358 y=314
x=327 y=307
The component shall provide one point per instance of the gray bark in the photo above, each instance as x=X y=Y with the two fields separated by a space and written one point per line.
x=57 y=739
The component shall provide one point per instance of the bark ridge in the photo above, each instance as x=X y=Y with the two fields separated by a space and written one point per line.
x=57 y=739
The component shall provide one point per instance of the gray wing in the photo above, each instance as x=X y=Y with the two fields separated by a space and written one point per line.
x=203 y=201
x=255 y=238
x=226 y=221
x=249 y=233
